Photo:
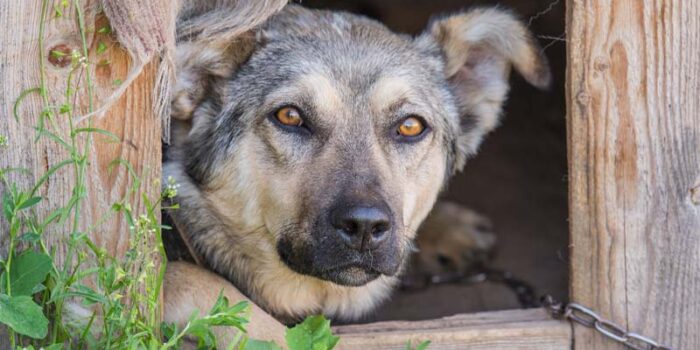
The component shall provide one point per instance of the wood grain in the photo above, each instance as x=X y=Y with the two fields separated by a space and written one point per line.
x=131 y=119
x=634 y=163
x=513 y=329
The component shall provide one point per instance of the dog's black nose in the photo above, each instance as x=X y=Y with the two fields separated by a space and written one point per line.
x=362 y=227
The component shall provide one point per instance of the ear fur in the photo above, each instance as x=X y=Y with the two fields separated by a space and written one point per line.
x=479 y=48
x=200 y=68
x=213 y=39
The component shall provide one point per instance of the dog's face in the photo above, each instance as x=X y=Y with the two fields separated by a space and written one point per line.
x=332 y=135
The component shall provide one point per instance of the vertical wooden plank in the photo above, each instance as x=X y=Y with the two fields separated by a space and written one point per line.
x=131 y=119
x=634 y=162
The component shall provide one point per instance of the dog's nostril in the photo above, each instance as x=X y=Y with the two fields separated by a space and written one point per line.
x=349 y=227
x=361 y=227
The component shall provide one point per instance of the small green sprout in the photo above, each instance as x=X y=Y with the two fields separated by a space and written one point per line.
x=64 y=108
x=421 y=346
x=170 y=190
x=101 y=48
x=58 y=54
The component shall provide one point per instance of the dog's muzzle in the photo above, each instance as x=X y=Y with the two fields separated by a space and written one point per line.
x=353 y=243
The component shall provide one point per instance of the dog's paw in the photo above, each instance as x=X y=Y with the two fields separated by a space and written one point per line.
x=452 y=240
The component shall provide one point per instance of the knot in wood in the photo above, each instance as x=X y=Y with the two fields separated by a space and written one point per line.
x=601 y=64
x=695 y=195
x=60 y=55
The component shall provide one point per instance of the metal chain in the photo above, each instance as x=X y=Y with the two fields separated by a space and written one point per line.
x=526 y=297
x=524 y=292
x=586 y=317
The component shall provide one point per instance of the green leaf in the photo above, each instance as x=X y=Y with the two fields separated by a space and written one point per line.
x=57 y=54
x=30 y=237
x=22 y=95
x=8 y=207
x=314 y=333
x=253 y=344
x=105 y=30
x=422 y=346
x=64 y=108
x=27 y=271
x=221 y=314
x=56 y=138
x=101 y=48
x=38 y=288
x=89 y=295
x=50 y=172
x=99 y=131
x=53 y=216
x=28 y=203
x=168 y=329
x=23 y=315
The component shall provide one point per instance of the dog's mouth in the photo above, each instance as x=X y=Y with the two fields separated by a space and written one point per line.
x=352 y=274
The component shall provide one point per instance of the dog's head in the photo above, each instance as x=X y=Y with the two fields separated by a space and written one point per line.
x=333 y=135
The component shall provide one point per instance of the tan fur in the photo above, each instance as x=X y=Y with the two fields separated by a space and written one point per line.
x=388 y=91
x=257 y=209
x=458 y=236
x=245 y=206
x=480 y=46
x=190 y=288
x=324 y=91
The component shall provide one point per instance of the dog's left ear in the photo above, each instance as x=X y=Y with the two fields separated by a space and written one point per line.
x=479 y=47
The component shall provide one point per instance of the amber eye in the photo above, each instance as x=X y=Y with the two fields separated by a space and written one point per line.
x=289 y=116
x=411 y=127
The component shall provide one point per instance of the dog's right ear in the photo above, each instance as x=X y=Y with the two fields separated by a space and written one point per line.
x=479 y=47
x=213 y=39
x=202 y=65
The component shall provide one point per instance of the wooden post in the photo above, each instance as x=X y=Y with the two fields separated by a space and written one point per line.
x=131 y=119
x=633 y=96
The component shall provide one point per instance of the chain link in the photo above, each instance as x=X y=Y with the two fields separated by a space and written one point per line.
x=587 y=318
x=523 y=291
x=525 y=294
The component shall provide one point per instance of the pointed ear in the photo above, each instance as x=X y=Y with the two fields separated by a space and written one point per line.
x=479 y=48
x=213 y=39
x=202 y=67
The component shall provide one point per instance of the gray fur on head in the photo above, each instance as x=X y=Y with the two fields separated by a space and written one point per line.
x=255 y=193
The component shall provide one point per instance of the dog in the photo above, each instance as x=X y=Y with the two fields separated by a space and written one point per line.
x=452 y=241
x=310 y=149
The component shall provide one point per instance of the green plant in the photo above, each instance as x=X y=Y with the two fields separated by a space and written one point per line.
x=420 y=346
x=312 y=334
x=92 y=299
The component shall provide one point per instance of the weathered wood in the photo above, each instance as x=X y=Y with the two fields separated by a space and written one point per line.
x=634 y=162
x=131 y=119
x=514 y=329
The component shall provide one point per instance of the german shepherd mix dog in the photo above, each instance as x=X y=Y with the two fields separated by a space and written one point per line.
x=310 y=149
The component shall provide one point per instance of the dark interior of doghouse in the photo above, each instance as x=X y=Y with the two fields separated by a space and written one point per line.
x=518 y=179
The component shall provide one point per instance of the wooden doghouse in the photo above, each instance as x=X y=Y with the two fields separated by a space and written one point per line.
x=633 y=125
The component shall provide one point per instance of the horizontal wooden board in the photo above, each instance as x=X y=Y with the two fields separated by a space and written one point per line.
x=512 y=329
